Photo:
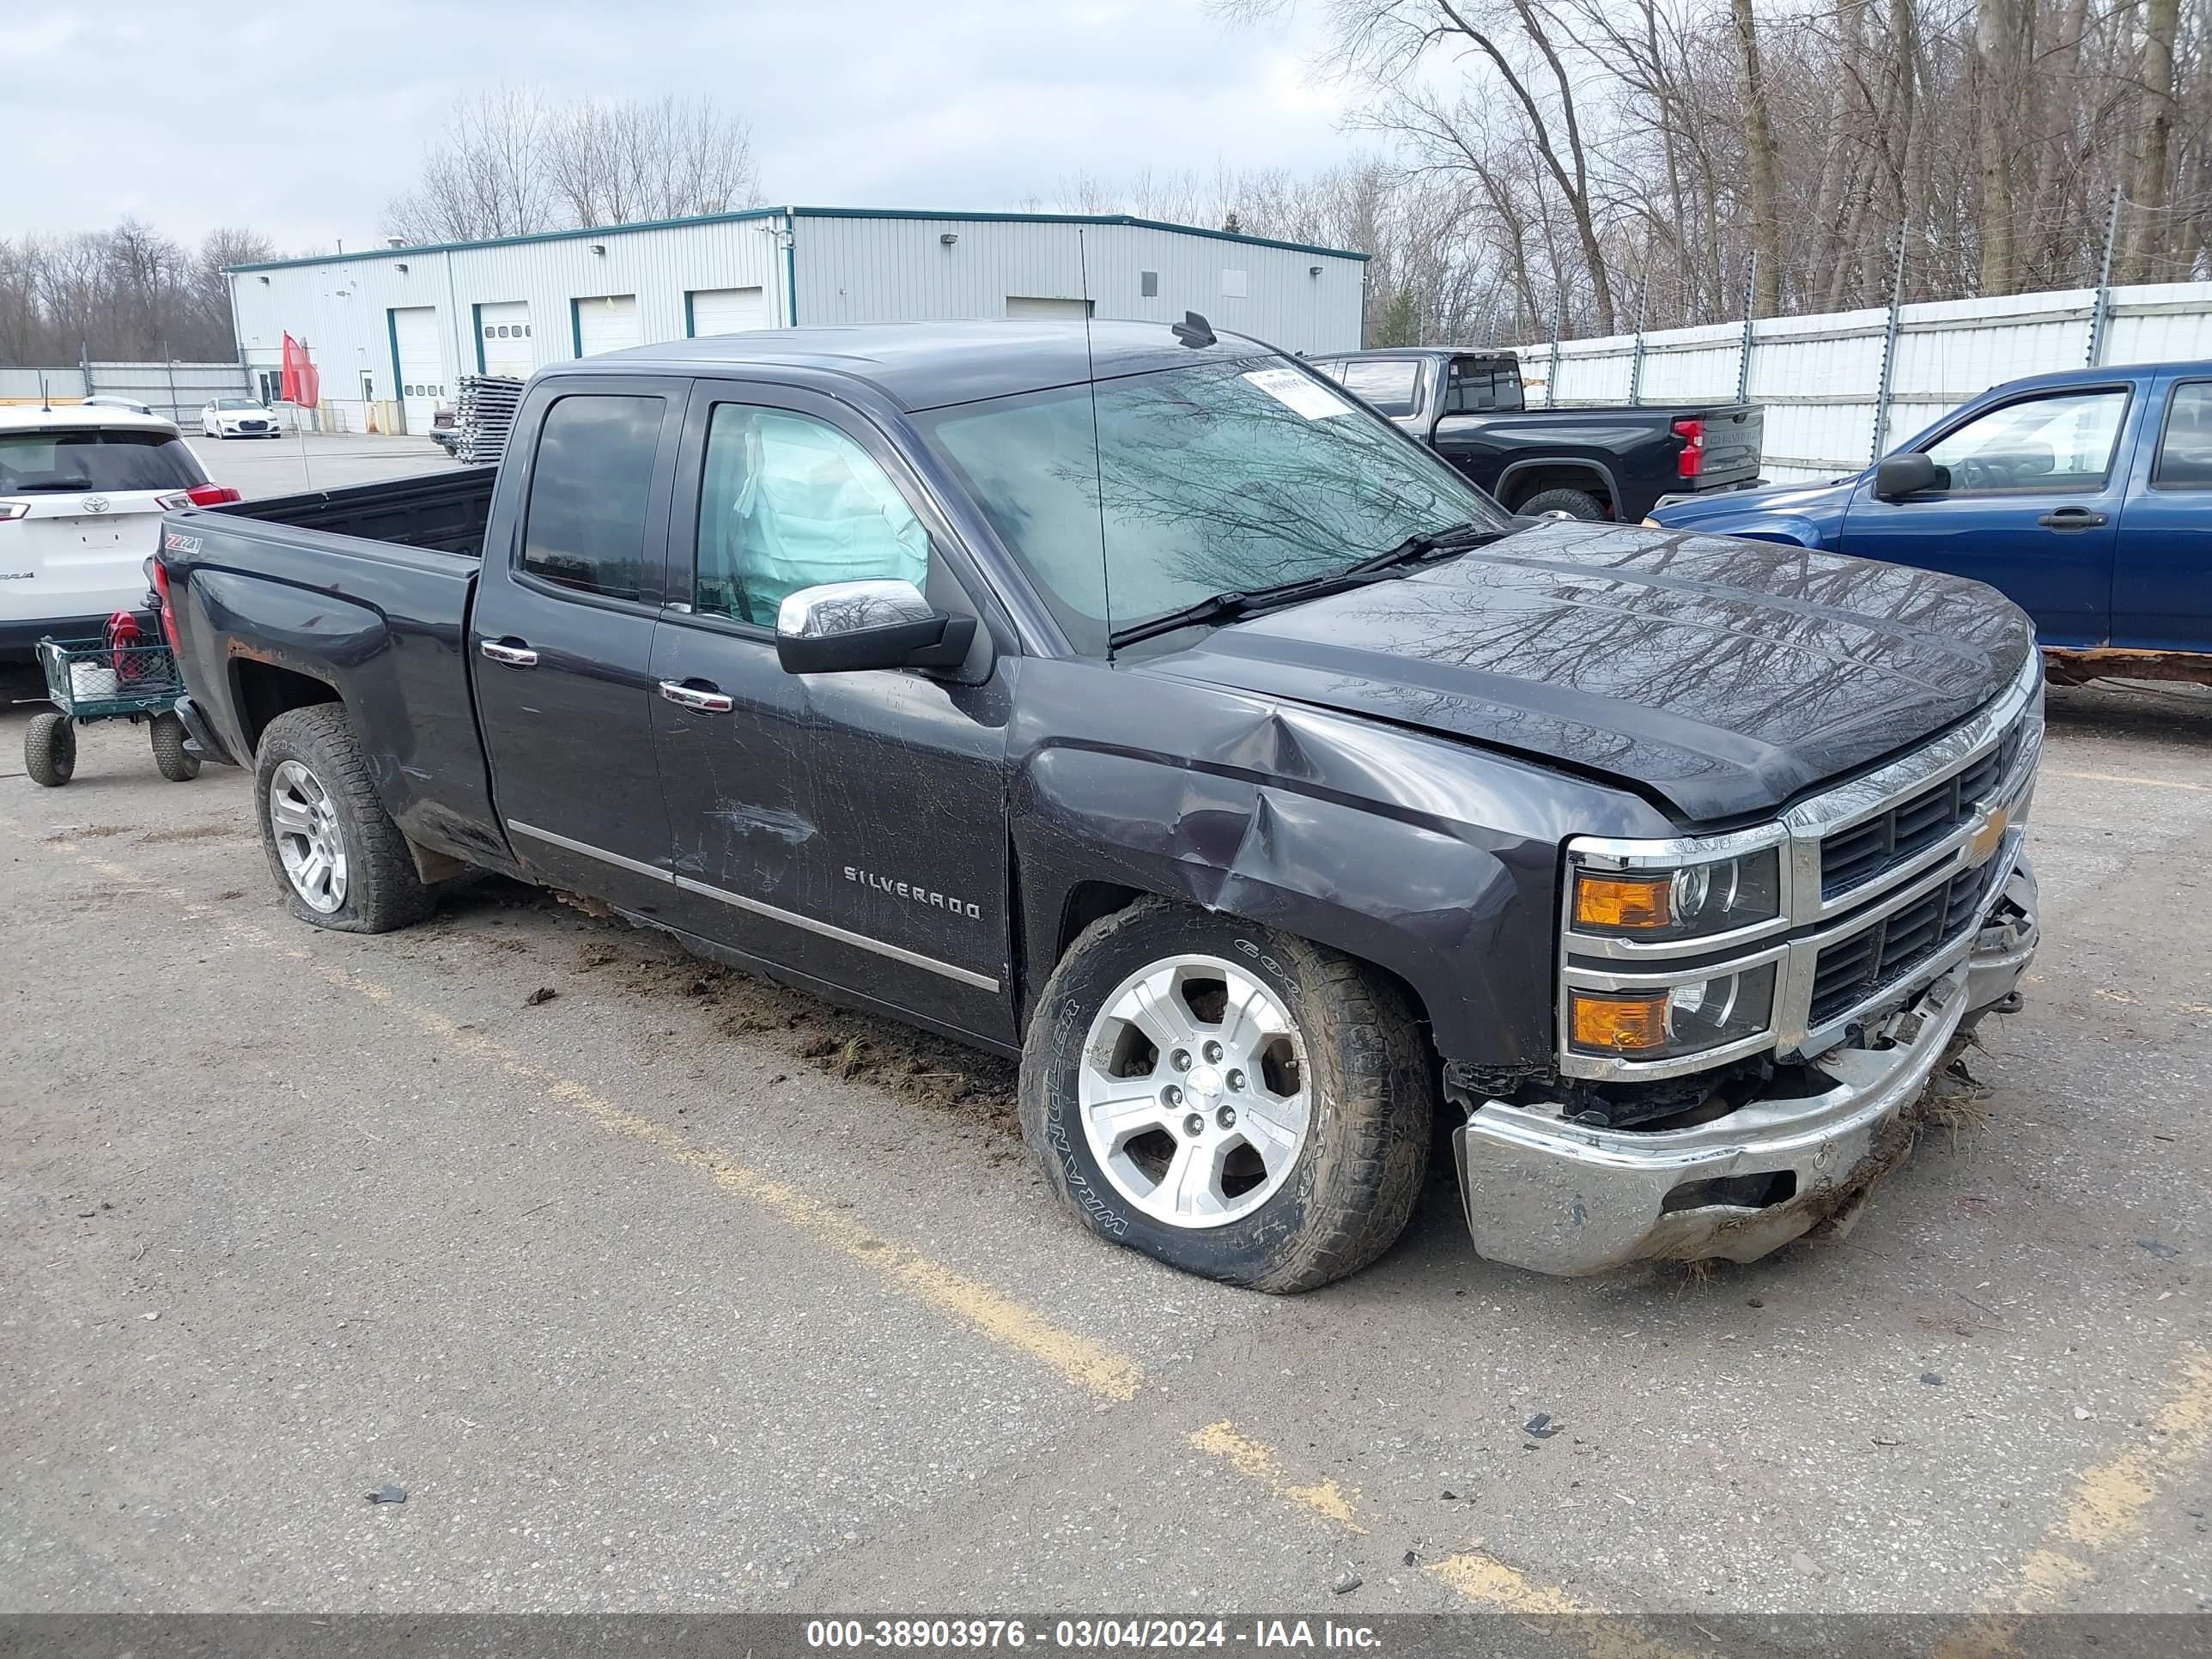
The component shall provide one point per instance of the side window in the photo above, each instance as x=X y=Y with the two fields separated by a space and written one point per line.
x=1388 y=383
x=2185 y=449
x=787 y=502
x=590 y=482
x=1478 y=385
x=2062 y=442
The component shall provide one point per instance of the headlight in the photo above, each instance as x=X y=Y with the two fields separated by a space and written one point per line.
x=1694 y=900
x=1662 y=1023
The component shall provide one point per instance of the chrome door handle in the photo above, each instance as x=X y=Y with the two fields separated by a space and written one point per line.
x=711 y=702
x=514 y=656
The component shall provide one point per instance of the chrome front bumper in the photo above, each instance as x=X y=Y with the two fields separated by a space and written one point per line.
x=1563 y=1198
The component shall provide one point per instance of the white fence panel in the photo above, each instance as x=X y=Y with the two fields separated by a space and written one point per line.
x=31 y=385
x=1819 y=378
x=173 y=391
x=1596 y=371
x=2159 y=323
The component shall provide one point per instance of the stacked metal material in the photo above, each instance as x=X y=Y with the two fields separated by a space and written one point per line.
x=485 y=414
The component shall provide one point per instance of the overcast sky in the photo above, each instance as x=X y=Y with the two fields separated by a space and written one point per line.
x=301 y=119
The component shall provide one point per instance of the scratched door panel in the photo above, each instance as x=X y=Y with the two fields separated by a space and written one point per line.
x=851 y=827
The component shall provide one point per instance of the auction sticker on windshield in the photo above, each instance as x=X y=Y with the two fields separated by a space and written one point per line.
x=1294 y=390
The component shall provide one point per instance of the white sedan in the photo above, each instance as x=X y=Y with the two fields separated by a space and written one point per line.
x=240 y=417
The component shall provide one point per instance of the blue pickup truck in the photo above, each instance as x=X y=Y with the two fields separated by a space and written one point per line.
x=2086 y=498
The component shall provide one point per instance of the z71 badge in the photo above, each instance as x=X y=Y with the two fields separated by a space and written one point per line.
x=175 y=541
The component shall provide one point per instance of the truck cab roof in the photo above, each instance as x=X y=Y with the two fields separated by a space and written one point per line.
x=929 y=365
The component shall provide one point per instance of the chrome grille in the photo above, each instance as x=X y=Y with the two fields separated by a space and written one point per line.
x=1885 y=877
x=1856 y=969
x=1851 y=858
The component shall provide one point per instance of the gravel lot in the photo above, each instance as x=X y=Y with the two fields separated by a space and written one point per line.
x=679 y=1291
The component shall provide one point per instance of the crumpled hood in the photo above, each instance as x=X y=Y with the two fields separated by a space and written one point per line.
x=1725 y=675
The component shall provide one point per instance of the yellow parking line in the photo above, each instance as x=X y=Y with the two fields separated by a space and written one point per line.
x=1263 y=1463
x=1089 y=1365
x=2118 y=777
x=2108 y=1504
x=2107 y=1507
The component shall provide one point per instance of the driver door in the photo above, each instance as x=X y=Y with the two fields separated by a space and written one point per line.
x=2031 y=507
x=849 y=827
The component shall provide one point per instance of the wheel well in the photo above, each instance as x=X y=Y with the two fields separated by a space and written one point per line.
x=265 y=691
x=1090 y=900
x=1564 y=475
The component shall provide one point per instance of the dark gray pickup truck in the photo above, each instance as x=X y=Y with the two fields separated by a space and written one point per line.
x=1132 y=701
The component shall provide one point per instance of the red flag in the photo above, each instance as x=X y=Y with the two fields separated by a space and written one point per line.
x=302 y=384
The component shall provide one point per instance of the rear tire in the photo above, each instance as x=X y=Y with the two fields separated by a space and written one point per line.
x=1276 y=1133
x=339 y=860
x=178 y=764
x=50 y=749
x=1575 y=504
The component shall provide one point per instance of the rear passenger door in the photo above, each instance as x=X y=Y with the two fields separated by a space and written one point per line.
x=850 y=827
x=2163 y=566
x=562 y=635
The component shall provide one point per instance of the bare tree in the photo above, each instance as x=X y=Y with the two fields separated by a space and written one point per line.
x=510 y=163
x=2146 y=186
x=485 y=175
x=129 y=293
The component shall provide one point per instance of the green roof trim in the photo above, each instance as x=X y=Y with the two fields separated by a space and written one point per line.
x=800 y=213
x=1129 y=220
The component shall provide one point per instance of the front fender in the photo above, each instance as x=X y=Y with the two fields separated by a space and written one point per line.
x=1467 y=926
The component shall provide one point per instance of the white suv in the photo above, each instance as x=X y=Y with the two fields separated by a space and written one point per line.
x=81 y=494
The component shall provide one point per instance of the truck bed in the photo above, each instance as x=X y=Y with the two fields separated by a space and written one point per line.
x=445 y=511
x=361 y=594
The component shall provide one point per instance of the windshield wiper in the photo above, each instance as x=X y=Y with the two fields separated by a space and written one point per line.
x=54 y=487
x=1451 y=538
x=1227 y=607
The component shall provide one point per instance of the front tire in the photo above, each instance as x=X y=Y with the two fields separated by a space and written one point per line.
x=339 y=860
x=178 y=764
x=1233 y=1101
x=50 y=749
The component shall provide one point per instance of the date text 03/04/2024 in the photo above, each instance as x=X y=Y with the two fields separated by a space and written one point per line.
x=1079 y=1634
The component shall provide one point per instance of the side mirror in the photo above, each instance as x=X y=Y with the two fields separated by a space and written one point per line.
x=838 y=628
x=1900 y=475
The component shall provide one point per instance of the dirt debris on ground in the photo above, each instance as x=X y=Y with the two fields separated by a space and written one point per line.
x=224 y=829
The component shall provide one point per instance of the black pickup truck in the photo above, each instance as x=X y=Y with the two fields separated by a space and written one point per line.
x=1599 y=463
x=1135 y=703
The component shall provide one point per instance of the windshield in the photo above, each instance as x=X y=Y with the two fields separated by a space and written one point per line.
x=34 y=462
x=236 y=403
x=1215 y=478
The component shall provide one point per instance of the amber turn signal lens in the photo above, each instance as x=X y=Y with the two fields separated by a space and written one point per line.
x=1624 y=901
x=1620 y=1025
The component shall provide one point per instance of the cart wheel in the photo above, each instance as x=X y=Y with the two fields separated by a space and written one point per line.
x=50 y=749
x=169 y=752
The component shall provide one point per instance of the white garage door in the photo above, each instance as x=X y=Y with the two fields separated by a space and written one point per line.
x=609 y=322
x=727 y=311
x=422 y=366
x=503 y=330
x=1027 y=305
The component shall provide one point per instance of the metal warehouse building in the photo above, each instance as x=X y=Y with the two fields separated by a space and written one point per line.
x=393 y=329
